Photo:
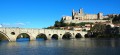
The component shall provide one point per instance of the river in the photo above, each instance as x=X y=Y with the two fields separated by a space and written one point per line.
x=81 y=46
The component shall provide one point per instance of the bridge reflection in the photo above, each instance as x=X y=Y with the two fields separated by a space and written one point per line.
x=72 y=43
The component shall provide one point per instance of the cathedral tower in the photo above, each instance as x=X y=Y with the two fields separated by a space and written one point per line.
x=81 y=11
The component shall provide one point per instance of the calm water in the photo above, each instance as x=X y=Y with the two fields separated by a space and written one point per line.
x=62 y=47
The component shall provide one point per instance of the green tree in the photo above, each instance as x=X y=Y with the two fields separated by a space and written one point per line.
x=72 y=24
x=57 y=24
x=116 y=19
x=63 y=25
x=98 y=28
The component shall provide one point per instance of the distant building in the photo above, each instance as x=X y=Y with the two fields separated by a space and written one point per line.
x=112 y=15
x=78 y=17
x=77 y=28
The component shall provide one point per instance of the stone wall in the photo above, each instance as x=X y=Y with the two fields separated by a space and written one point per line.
x=79 y=21
x=12 y=33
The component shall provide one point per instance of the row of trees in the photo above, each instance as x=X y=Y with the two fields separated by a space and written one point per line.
x=62 y=24
x=103 y=31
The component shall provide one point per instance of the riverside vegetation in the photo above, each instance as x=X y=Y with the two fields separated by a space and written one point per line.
x=105 y=31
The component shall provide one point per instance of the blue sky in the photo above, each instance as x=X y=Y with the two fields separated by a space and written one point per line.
x=43 y=13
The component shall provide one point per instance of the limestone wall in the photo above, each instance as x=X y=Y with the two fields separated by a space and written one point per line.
x=79 y=21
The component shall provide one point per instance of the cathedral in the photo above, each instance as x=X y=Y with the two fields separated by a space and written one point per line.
x=80 y=16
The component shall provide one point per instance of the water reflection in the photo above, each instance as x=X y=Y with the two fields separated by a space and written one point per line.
x=22 y=39
x=84 y=46
x=105 y=42
x=12 y=44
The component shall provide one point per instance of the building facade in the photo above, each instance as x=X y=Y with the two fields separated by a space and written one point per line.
x=78 y=17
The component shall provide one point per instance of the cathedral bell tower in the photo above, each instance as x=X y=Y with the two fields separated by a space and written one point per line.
x=73 y=13
x=81 y=11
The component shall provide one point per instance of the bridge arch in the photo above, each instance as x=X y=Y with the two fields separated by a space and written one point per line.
x=41 y=35
x=55 y=36
x=67 y=35
x=78 y=35
x=3 y=36
x=24 y=35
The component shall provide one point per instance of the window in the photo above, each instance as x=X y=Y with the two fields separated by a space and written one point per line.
x=77 y=18
x=65 y=19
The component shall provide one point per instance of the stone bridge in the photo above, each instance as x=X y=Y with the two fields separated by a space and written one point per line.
x=11 y=34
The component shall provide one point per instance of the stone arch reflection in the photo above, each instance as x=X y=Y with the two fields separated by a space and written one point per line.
x=78 y=35
x=55 y=36
x=23 y=37
x=67 y=35
x=41 y=36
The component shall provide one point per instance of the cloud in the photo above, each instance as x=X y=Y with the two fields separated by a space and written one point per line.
x=0 y=25
x=20 y=24
x=13 y=25
x=6 y=24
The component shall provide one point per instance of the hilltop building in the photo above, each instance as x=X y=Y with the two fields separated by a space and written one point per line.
x=78 y=17
x=80 y=21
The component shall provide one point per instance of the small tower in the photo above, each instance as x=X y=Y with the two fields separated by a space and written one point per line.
x=81 y=11
x=73 y=13
x=100 y=15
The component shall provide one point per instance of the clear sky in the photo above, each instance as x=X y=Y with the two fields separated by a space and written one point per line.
x=43 y=13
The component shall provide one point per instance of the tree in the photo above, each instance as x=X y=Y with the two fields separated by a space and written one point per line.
x=108 y=29
x=98 y=27
x=72 y=24
x=63 y=25
x=116 y=19
x=57 y=24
